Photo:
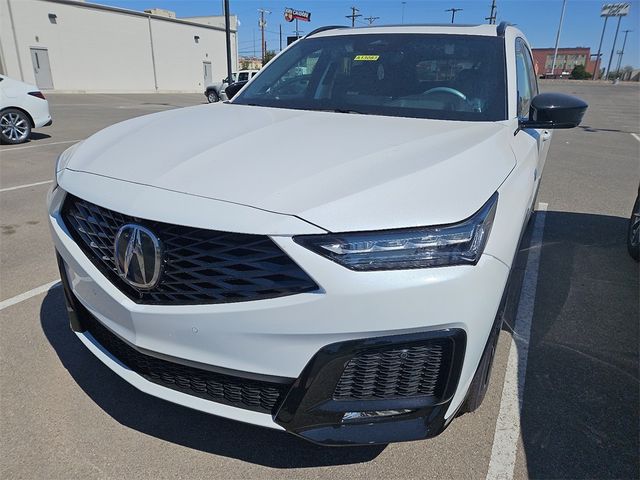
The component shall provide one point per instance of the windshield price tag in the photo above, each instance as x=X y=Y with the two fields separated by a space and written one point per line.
x=366 y=58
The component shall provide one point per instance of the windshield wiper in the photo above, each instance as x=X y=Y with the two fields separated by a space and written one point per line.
x=342 y=110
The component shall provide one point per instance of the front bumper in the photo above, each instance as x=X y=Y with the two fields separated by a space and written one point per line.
x=282 y=339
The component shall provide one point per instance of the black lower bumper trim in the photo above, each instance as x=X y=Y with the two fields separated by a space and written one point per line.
x=311 y=411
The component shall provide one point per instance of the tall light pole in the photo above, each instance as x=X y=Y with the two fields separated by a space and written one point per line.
x=453 y=12
x=555 y=53
x=598 y=55
x=403 y=4
x=613 y=48
x=621 y=52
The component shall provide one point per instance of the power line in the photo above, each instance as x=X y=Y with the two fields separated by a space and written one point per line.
x=353 y=16
x=453 y=12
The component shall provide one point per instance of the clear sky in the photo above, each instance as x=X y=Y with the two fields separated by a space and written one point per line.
x=538 y=19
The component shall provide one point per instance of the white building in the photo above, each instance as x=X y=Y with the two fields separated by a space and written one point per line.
x=74 y=46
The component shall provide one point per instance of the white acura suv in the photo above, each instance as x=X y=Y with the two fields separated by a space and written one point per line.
x=344 y=281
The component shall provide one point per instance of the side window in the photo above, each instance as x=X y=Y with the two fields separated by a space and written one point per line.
x=243 y=76
x=526 y=82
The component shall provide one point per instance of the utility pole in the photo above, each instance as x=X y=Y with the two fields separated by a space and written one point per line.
x=453 y=12
x=599 y=55
x=371 y=19
x=555 y=53
x=280 y=37
x=493 y=14
x=621 y=52
x=613 y=49
x=227 y=28
x=263 y=23
x=353 y=16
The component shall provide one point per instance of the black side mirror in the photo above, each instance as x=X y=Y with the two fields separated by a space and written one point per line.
x=555 y=110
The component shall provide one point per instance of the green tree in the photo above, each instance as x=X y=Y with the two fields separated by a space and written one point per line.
x=579 y=73
x=268 y=55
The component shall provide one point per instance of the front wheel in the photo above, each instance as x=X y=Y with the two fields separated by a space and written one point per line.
x=633 y=231
x=480 y=382
x=212 y=96
x=15 y=126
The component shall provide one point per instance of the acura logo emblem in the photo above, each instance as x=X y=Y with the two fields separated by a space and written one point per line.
x=138 y=256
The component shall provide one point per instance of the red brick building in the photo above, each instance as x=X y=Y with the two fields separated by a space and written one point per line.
x=566 y=60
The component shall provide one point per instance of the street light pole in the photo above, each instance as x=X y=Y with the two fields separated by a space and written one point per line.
x=598 y=55
x=613 y=49
x=555 y=53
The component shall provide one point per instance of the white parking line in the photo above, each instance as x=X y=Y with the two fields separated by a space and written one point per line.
x=636 y=136
x=507 y=434
x=13 y=149
x=27 y=295
x=18 y=187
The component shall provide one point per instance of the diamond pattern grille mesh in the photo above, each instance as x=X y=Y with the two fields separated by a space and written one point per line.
x=199 y=266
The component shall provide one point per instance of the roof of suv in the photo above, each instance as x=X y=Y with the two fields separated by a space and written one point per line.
x=456 y=29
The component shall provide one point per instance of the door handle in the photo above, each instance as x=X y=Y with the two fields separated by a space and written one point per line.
x=546 y=135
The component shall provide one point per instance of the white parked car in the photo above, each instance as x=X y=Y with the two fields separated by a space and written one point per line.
x=22 y=107
x=216 y=92
x=344 y=281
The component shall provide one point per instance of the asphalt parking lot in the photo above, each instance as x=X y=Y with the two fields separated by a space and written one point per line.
x=64 y=415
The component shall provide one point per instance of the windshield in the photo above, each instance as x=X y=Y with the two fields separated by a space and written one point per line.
x=454 y=77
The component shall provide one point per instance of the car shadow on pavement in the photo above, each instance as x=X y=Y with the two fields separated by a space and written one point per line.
x=581 y=402
x=38 y=136
x=177 y=424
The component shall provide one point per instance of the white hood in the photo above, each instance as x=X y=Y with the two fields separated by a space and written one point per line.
x=338 y=171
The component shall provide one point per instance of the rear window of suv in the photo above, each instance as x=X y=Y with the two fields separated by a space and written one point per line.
x=455 y=77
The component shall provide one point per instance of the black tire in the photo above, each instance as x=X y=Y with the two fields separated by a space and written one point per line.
x=212 y=96
x=633 y=231
x=15 y=126
x=480 y=382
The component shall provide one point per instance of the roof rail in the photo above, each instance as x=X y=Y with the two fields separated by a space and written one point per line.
x=502 y=27
x=322 y=29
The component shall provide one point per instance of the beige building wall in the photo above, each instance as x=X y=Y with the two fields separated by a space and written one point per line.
x=97 y=49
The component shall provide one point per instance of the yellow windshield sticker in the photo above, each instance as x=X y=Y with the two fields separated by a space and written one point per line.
x=366 y=58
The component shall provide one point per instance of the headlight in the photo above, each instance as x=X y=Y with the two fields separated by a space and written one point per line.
x=455 y=244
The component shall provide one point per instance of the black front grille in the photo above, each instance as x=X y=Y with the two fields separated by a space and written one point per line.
x=199 y=266
x=259 y=396
x=420 y=370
